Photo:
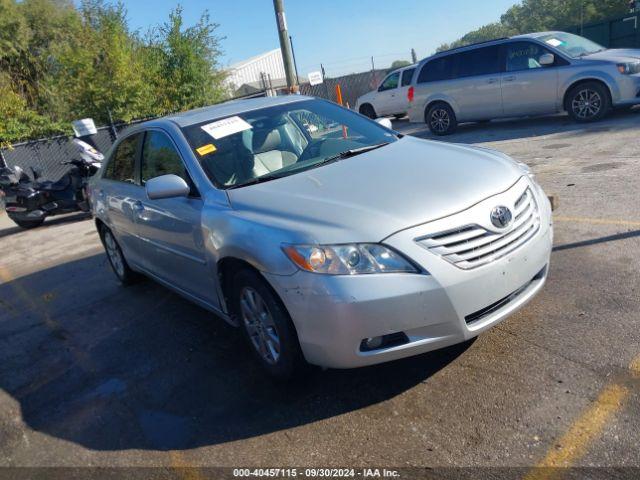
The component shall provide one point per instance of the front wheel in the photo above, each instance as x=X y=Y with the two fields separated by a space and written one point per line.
x=441 y=119
x=368 y=111
x=588 y=102
x=267 y=326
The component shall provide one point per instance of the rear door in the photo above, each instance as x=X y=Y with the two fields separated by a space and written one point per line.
x=401 y=104
x=170 y=229
x=119 y=191
x=386 y=99
x=528 y=88
x=476 y=83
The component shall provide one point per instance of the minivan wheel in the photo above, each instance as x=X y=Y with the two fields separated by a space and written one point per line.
x=368 y=111
x=118 y=263
x=441 y=119
x=588 y=102
x=266 y=325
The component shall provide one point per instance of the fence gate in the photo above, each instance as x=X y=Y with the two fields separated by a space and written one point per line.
x=618 y=32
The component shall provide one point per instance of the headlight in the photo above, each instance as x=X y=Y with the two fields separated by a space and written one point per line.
x=629 y=68
x=351 y=259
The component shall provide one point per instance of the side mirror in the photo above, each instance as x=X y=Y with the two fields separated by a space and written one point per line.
x=385 y=122
x=166 y=186
x=546 y=59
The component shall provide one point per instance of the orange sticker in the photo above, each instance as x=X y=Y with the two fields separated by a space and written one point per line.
x=205 y=149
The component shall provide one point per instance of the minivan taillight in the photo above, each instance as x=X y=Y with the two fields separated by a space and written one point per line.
x=410 y=93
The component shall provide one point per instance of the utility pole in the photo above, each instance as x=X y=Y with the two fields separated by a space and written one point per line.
x=285 y=45
x=414 y=57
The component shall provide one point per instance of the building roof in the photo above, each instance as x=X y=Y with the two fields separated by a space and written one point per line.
x=257 y=58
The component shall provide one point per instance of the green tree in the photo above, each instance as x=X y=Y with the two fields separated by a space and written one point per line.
x=539 y=15
x=399 y=64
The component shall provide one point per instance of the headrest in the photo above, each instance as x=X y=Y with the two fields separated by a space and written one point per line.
x=265 y=141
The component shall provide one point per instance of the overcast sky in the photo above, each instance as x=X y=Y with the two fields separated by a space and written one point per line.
x=341 y=34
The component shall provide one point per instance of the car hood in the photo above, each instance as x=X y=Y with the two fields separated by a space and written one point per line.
x=368 y=197
x=616 y=55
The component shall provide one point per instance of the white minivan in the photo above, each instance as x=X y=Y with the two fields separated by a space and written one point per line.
x=391 y=96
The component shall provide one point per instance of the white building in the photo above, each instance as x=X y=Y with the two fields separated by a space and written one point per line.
x=249 y=75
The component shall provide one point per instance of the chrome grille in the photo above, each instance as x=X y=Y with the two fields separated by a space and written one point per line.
x=470 y=246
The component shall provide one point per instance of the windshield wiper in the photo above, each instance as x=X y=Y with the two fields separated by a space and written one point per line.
x=253 y=181
x=351 y=153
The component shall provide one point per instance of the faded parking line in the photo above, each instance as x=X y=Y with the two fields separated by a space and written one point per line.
x=597 y=221
x=574 y=443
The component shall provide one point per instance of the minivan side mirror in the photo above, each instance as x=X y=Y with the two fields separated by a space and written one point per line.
x=546 y=59
x=385 y=122
x=166 y=186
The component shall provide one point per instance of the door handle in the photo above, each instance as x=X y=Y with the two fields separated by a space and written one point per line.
x=492 y=80
x=510 y=78
x=138 y=207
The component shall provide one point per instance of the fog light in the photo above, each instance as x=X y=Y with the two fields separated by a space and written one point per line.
x=385 y=341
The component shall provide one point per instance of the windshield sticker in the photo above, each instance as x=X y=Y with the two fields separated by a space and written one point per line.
x=226 y=127
x=554 y=42
x=206 y=149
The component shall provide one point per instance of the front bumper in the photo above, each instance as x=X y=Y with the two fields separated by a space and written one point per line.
x=333 y=314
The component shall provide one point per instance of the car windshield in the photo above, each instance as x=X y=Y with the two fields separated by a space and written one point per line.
x=273 y=142
x=572 y=45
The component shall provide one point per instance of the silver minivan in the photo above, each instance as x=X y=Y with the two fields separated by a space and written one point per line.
x=325 y=236
x=534 y=74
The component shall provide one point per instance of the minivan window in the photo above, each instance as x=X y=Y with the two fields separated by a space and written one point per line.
x=436 y=70
x=479 y=61
x=407 y=75
x=524 y=56
x=390 y=82
x=121 y=167
x=159 y=157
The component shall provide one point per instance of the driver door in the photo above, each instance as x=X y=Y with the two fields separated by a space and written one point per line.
x=170 y=229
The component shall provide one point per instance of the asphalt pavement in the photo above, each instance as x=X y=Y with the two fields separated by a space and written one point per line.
x=92 y=373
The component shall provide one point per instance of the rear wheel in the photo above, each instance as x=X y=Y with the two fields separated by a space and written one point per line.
x=267 y=326
x=588 y=102
x=118 y=263
x=368 y=111
x=441 y=119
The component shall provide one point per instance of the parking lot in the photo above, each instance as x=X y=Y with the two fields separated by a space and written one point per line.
x=92 y=373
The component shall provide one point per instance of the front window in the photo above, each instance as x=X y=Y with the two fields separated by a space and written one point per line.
x=273 y=142
x=572 y=45
x=390 y=82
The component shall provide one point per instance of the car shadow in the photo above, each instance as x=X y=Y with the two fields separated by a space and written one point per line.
x=518 y=128
x=114 y=368
x=68 y=218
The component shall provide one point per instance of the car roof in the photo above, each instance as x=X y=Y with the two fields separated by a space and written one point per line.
x=232 y=107
x=489 y=43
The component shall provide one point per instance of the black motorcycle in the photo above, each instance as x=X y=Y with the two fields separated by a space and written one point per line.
x=29 y=201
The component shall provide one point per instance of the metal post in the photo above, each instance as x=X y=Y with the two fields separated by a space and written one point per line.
x=324 y=82
x=3 y=161
x=285 y=46
x=114 y=132
x=295 y=64
x=414 y=57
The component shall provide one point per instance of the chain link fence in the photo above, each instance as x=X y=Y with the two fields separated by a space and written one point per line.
x=352 y=86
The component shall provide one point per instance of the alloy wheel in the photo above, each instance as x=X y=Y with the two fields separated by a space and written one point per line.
x=586 y=104
x=440 y=120
x=260 y=325
x=114 y=254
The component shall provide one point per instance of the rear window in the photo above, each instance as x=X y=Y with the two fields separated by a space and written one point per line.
x=480 y=61
x=436 y=70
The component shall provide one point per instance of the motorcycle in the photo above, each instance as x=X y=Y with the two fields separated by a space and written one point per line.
x=29 y=201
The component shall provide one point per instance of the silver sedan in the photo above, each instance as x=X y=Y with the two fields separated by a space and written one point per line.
x=326 y=237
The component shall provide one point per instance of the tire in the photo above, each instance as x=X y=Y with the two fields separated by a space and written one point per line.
x=27 y=224
x=441 y=119
x=118 y=263
x=588 y=102
x=368 y=111
x=266 y=326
